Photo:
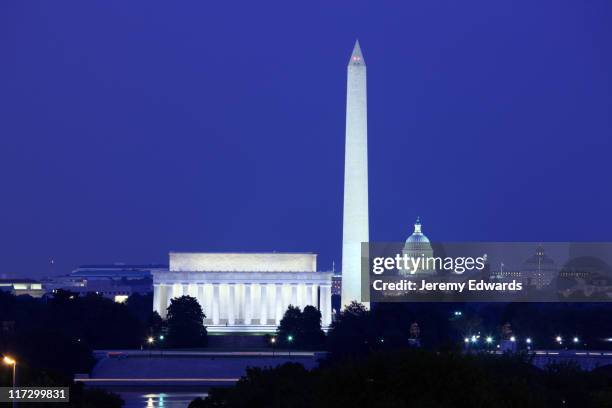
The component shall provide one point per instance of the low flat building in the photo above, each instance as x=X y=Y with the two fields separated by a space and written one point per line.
x=115 y=291
x=116 y=271
x=22 y=287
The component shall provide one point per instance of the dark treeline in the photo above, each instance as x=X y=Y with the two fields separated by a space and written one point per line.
x=373 y=360
x=52 y=338
x=381 y=350
x=443 y=326
x=415 y=378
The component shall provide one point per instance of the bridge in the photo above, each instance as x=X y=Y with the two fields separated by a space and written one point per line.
x=159 y=368
x=586 y=359
x=174 y=368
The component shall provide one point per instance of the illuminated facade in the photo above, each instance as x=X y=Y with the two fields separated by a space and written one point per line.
x=244 y=292
x=355 y=224
x=22 y=287
x=418 y=246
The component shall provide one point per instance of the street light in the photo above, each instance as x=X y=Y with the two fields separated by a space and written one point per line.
x=273 y=343
x=528 y=340
x=11 y=361
x=576 y=339
x=489 y=340
x=150 y=340
x=289 y=340
x=559 y=339
x=512 y=339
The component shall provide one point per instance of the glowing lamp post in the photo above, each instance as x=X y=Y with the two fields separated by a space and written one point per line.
x=289 y=341
x=273 y=343
x=12 y=362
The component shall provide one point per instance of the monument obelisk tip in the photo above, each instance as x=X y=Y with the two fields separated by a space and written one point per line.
x=356 y=55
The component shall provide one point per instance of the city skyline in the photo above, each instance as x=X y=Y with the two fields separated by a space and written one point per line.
x=163 y=136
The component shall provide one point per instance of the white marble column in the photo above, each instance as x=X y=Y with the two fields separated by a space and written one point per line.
x=231 y=302
x=169 y=297
x=177 y=290
x=192 y=290
x=200 y=297
x=163 y=298
x=186 y=289
x=215 y=304
x=208 y=300
x=278 y=303
x=308 y=295
x=263 y=303
x=326 y=305
x=294 y=294
x=247 y=306
x=314 y=300
x=303 y=298
x=254 y=305
x=157 y=298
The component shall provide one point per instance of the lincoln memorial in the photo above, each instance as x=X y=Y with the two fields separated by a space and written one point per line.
x=244 y=292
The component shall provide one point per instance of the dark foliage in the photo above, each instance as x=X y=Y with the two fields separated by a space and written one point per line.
x=140 y=306
x=52 y=339
x=186 y=323
x=93 y=398
x=415 y=378
x=301 y=329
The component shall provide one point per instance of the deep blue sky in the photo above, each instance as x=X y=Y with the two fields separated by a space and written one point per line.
x=129 y=129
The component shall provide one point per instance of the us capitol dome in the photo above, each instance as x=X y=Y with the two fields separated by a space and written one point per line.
x=418 y=246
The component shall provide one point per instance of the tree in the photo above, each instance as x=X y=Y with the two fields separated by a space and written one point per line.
x=186 y=323
x=415 y=378
x=140 y=306
x=289 y=328
x=299 y=329
x=352 y=333
x=93 y=398
x=154 y=324
x=312 y=334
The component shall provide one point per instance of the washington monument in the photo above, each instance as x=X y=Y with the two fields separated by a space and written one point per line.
x=355 y=229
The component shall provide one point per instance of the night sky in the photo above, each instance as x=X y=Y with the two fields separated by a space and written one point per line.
x=129 y=129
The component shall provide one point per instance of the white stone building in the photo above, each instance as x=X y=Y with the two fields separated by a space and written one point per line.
x=244 y=292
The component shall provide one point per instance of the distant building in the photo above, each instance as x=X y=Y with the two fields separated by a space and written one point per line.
x=336 y=284
x=111 y=289
x=62 y=282
x=418 y=246
x=539 y=270
x=19 y=287
x=118 y=291
x=115 y=281
x=116 y=271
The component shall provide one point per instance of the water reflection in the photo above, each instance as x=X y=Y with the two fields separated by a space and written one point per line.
x=159 y=400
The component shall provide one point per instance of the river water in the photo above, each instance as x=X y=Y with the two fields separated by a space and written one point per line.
x=134 y=399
